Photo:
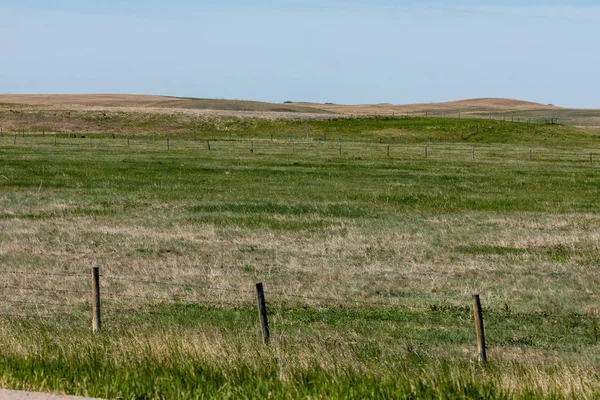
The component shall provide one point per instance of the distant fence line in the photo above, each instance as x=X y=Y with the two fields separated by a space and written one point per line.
x=482 y=115
x=336 y=146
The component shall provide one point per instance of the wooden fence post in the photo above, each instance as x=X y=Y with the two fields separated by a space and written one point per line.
x=473 y=153
x=168 y=144
x=262 y=312
x=96 y=320
x=591 y=158
x=479 y=328
x=425 y=151
x=530 y=154
x=293 y=148
x=208 y=145
x=388 y=150
x=15 y=139
x=340 y=148
x=251 y=146
x=55 y=139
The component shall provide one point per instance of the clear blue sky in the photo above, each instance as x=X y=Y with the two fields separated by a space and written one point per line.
x=340 y=51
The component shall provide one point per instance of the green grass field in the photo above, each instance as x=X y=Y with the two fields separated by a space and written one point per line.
x=369 y=261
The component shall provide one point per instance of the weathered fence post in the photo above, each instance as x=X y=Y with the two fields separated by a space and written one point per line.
x=208 y=145
x=473 y=153
x=96 y=320
x=530 y=154
x=55 y=139
x=479 y=328
x=168 y=144
x=262 y=312
x=15 y=139
x=425 y=151
x=591 y=158
x=388 y=150
x=251 y=146
x=340 y=148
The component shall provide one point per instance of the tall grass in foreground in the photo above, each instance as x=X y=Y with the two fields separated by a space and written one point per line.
x=172 y=364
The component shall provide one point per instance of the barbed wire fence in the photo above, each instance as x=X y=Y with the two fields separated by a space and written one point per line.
x=63 y=296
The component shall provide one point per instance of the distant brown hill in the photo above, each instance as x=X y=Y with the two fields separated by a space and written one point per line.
x=150 y=101
x=498 y=108
x=463 y=106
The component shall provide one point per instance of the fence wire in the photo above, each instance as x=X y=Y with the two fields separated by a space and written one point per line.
x=504 y=328
x=452 y=150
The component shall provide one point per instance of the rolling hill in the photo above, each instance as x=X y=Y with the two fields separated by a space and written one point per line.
x=497 y=108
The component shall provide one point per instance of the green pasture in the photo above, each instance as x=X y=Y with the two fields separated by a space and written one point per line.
x=370 y=236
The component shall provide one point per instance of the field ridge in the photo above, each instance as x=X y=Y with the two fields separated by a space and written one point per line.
x=495 y=108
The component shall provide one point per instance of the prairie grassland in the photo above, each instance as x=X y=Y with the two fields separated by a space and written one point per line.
x=236 y=124
x=62 y=111
x=368 y=261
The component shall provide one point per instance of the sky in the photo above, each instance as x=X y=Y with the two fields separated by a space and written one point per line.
x=340 y=51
